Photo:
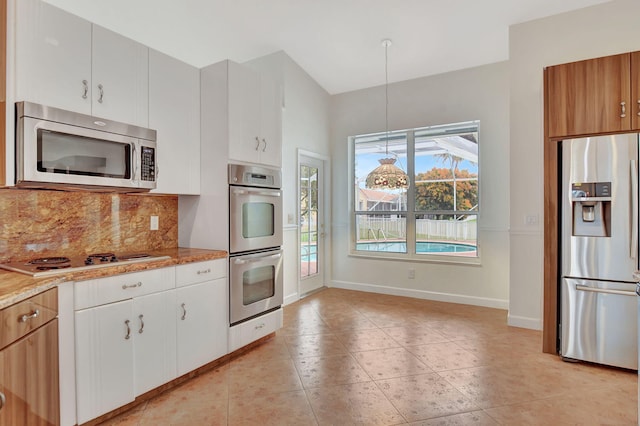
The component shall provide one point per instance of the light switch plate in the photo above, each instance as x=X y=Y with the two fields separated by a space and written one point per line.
x=154 y=223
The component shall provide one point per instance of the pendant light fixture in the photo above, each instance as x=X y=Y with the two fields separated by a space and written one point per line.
x=387 y=175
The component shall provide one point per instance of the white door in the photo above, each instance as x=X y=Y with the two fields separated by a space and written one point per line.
x=312 y=225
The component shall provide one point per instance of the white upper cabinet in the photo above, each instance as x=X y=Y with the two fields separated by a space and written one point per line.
x=53 y=57
x=120 y=88
x=66 y=62
x=174 y=111
x=255 y=117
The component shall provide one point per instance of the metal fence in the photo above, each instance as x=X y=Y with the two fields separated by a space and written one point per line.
x=392 y=228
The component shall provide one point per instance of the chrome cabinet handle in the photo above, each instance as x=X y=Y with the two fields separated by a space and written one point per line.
x=128 y=336
x=3 y=400
x=184 y=312
x=101 y=89
x=85 y=85
x=638 y=289
x=27 y=317
x=639 y=107
x=258 y=327
x=204 y=271
x=141 y=323
x=623 y=109
x=126 y=286
x=264 y=148
x=257 y=143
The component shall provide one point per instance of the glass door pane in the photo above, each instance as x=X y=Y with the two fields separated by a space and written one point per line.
x=308 y=220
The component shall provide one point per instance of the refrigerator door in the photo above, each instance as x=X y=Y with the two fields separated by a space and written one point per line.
x=600 y=229
x=600 y=322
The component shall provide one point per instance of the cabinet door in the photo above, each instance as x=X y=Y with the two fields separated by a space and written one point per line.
x=589 y=97
x=202 y=323
x=104 y=359
x=174 y=111
x=29 y=379
x=120 y=81
x=244 y=114
x=635 y=91
x=53 y=57
x=154 y=331
x=271 y=123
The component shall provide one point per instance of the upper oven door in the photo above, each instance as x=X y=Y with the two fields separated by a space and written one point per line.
x=255 y=218
x=50 y=152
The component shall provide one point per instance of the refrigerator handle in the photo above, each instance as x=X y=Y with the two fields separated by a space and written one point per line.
x=634 y=210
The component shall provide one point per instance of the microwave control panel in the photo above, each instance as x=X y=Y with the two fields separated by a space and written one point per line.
x=147 y=164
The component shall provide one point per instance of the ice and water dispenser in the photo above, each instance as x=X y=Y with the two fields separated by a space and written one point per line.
x=591 y=203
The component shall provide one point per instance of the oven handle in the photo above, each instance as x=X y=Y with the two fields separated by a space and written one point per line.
x=257 y=191
x=257 y=259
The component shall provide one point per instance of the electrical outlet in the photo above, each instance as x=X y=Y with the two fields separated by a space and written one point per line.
x=154 y=223
x=412 y=273
x=531 y=219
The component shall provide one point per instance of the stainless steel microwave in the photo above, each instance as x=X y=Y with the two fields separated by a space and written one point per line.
x=67 y=150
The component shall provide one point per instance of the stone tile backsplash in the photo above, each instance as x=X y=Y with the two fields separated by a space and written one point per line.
x=37 y=223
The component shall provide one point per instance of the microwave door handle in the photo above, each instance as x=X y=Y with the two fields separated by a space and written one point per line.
x=135 y=162
x=258 y=192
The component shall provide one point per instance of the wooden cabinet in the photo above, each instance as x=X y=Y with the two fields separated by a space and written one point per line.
x=66 y=62
x=174 y=111
x=202 y=314
x=29 y=362
x=125 y=339
x=635 y=91
x=242 y=112
x=594 y=96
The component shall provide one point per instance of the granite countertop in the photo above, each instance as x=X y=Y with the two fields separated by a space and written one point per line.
x=15 y=287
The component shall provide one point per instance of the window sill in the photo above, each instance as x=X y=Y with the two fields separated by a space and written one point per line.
x=402 y=257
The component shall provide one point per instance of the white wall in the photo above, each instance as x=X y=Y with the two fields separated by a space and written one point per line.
x=305 y=125
x=480 y=93
x=600 y=30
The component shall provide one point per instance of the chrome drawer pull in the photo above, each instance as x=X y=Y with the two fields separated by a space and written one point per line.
x=85 y=86
x=204 y=271
x=258 y=327
x=3 y=400
x=623 y=109
x=101 y=89
x=128 y=336
x=27 y=317
x=126 y=286
x=184 y=312
x=141 y=323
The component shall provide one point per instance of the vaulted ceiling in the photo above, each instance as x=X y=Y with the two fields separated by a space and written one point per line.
x=338 y=42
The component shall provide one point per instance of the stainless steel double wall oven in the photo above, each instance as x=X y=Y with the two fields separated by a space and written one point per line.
x=255 y=240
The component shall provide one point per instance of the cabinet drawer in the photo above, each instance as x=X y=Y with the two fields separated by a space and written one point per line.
x=242 y=334
x=121 y=287
x=198 y=272
x=20 y=319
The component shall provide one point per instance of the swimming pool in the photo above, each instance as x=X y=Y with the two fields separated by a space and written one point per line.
x=422 y=247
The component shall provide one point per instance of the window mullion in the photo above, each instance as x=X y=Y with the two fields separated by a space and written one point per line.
x=411 y=199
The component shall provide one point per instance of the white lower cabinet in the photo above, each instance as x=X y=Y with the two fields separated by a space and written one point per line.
x=104 y=359
x=202 y=324
x=125 y=342
x=202 y=300
x=135 y=332
x=249 y=331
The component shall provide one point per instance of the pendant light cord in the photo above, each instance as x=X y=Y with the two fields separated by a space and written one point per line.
x=386 y=44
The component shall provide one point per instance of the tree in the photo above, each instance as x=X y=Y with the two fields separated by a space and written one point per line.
x=435 y=190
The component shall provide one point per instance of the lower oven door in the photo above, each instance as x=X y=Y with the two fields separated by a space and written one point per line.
x=255 y=282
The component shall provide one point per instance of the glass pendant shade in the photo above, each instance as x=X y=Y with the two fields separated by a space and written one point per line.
x=387 y=176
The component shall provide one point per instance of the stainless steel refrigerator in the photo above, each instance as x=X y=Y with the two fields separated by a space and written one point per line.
x=599 y=250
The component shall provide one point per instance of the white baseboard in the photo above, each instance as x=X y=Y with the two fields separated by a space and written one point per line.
x=291 y=298
x=524 y=322
x=423 y=294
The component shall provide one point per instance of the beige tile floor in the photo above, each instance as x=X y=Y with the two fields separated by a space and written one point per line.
x=347 y=357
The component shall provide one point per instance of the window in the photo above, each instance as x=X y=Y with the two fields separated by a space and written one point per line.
x=436 y=214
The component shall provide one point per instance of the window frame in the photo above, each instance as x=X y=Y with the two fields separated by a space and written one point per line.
x=410 y=213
